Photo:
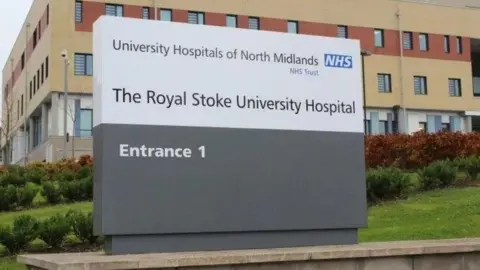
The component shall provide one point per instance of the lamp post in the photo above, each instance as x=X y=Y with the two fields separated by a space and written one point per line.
x=364 y=53
x=65 y=104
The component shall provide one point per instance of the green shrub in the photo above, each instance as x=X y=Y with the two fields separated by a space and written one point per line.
x=12 y=178
x=72 y=191
x=26 y=195
x=469 y=165
x=84 y=172
x=54 y=230
x=35 y=175
x=16 y=238
x=439 y=174
x=87 y=187
x=8 y=197
x=65 y=176
x=51 y=192
x=82 y=226
x=387 y=183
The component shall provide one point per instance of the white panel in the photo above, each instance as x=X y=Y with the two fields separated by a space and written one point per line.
x=212 y=62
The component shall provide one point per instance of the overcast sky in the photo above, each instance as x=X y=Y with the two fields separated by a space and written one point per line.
x=12 y=16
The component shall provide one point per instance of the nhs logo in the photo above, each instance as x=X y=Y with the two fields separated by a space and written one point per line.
x=338 y=61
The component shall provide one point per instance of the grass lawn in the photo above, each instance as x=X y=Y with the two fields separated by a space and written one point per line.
x=450 y=213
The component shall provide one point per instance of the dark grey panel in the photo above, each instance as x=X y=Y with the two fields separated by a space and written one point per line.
x=250 y=181
x=130 y=244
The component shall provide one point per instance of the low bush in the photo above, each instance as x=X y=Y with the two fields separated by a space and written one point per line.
x=387 y=183
x=8 y=197
x=17 y=238
x=470 y=166
x=82 y=226
x=54 y=230
x=26 y=195
x=51 y=192
x=439 y=174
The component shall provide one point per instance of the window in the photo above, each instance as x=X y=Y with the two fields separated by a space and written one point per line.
x=31 y=88
x=34 y=84
x=367 y=126
x=83 y=64
x=342 y=31
x=459 y=45
x=86 y=122
x=420 y=85
x=422 y=126
x=407 y=41
x=42 y=75
x=384 y=83
x=39 y=31
x=378 y=36
x=114 y=10
x=38 y=80
x=48 y=14
x=21 y=105
x=293 y=27
x=383 y=127
x=446 y=44
x=166 y=15
x=253 y=23
x=23 y=61
x=196 y=17
x=423 y=42
x=231 y=21
x=454 y=87
x=146 y=13
x=35 y=38
x=445 y=126
x=46 y=67
x=78 y=11
x=18 y=109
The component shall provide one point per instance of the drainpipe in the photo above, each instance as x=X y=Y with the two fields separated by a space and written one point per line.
x=155 y=10
x=25 y=111
x=402 y=84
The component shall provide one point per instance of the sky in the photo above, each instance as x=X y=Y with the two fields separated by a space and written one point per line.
x=12 y=16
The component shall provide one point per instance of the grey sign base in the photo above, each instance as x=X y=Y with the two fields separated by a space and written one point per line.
x=135 y=244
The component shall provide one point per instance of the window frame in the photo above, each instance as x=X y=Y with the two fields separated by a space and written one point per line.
x=198 y=16
x=85 y=68
x=295 y=23
x=344 y=29
x=116 y=6
x=407 y=35
x=457 y=92
x=78 y=11
x=459 y=41
x=231 y=16
x=170 y=13
x=446 y=44
x=425 y=85
x=387 y=82
x=80 y=130
x=420 y=43
x=382 y=37
x=257 y=19
x=146 y=11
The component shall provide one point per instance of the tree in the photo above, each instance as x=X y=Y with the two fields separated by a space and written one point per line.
x=9 y=121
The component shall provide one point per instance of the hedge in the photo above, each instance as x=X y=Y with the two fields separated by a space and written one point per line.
x=64 y=181
x=416 y=151
x=53 y=231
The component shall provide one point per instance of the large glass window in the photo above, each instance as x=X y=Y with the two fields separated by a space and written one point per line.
x=86 y=122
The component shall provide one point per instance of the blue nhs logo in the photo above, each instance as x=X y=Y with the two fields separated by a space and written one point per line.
x=338 y=61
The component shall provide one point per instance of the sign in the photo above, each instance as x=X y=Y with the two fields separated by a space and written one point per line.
x=212 y=138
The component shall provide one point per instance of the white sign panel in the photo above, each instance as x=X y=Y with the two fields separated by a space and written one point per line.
x=177 y=74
